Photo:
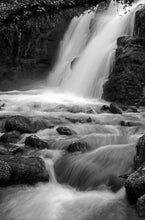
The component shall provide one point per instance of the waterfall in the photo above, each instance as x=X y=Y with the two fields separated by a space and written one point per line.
x=71 y=47
x=88 y=49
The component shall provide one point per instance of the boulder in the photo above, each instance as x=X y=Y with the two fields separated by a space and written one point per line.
x=22 y=170
x=105 y=108
x=140 y=153
x=77 y=147
x=115 y=109
x=135 y=184
x=14 y=149
x=79 y=120
x=141 y=206
x=130 y=123
x=65 y=131
x=10 y=137
x=19 y=123
x=35 y=142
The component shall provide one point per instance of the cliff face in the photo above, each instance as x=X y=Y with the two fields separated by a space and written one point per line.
x=30 y=33
x=126 y=82
x=28 y=48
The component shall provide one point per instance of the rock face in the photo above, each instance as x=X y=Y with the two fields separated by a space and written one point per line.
x=126 y=82
x=77 y=147
x=20 y=124
x=139 y=28
x=65 y=131
x=35 y=142
x=114 y=109
x=10 y=137
x=135 y=183
x=22 y=170
x=140 y=154
x=28 y=48
x=141 y=206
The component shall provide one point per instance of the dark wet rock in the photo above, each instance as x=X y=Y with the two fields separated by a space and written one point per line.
x=80 y=120
x=139 y=27
x=105 y=108
x=65 y=131
x=10 y=137
x=77 y=147
x=14 y=149
x=5 y=173
x=115 y=109
x=126 y=82
x=89 y=120
x=135 y=184
x=19 y=123
x=141 y=206
x=22 y=170
x=34 y=142
x=129 y=123
x=140 y=153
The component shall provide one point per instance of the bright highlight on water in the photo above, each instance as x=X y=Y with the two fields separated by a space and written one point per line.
x=82 y=186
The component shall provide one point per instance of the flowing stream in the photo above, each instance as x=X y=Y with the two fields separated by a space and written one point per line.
x=88 y=185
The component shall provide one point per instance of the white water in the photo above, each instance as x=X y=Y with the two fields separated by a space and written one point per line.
x=93 y=59
x=112 y=147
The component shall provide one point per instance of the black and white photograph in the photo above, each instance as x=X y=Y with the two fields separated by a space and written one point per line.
x=72 y=109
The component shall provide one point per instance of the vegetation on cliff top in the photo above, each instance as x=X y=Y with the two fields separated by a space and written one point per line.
x=16 y=10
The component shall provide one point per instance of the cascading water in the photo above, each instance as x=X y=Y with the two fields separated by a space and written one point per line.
x=84 y=185
x=83 y=65
x=71 y=47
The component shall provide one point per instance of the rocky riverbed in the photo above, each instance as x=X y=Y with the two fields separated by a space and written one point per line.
x=86 y=144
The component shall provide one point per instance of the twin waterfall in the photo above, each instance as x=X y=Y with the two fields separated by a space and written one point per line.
x=87 y=51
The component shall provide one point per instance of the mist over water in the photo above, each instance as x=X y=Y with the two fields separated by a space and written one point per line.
x=88 y=185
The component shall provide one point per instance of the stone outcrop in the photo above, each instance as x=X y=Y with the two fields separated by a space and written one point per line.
x=113 y=109
x=65 y=131
x=126 y=82
x=135 y=183
x=36 y=143
x=20 y=124
x=15 y=125
x=22 y=170
x=10 y=137
x=141 y=206
x=140 y=153
x=77 y=146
